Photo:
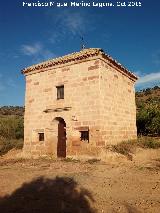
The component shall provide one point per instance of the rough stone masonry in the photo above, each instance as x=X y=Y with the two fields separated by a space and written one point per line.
x=77 y=104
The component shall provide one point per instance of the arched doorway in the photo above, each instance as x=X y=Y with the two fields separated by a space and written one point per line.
x=61 y=144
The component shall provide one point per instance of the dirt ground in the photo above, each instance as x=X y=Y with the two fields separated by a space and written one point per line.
x=69 y=186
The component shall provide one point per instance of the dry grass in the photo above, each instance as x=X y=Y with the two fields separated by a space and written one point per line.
x=8 y=144
x=128 y=148
x=93 y=160
x=71 y=160
x=148 y=142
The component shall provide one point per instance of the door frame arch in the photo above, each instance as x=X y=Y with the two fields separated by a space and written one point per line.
x=61 y=138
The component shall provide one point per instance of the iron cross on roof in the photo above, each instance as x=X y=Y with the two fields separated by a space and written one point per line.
x=82 y=43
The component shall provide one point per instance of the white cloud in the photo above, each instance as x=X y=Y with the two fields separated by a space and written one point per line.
x=149 y=78
x=31 y=49
x=74 y=22
x=138 y=73
x=69 y=23
x=148 y=81
x=37 y=51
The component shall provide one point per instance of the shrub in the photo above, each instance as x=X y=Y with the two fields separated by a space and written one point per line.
x=148 y=120
x=6 y=145
x=126 y=148
x=11 y=133
x=12 y=110
x=148 y=142
x=147 y=91
x=11 y=127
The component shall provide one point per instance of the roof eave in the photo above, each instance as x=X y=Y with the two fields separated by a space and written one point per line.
x=121 y=67
x=63 y=60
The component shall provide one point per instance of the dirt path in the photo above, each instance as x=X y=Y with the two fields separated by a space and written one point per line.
x=66 y=187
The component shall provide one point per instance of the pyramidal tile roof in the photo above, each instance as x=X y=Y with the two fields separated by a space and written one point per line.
x=77 y=56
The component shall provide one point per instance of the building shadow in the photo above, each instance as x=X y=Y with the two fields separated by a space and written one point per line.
x=43 y=195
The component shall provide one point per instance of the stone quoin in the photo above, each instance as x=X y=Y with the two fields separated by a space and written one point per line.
x=77 y=104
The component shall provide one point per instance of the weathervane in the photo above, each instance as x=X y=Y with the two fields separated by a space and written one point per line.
x=83 y=45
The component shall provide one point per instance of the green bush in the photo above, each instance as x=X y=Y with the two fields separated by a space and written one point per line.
x=11 y=133
x=11 y=127
x=148 y=120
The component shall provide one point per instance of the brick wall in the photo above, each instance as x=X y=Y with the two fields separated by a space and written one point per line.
x=81 y=96
x=96 y=96
x=118 y=109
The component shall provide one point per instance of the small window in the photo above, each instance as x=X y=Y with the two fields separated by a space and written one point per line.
x=60 y=92
x=41 y=136
x=85 y=136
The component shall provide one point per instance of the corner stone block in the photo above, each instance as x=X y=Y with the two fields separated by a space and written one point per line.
x=93 y=67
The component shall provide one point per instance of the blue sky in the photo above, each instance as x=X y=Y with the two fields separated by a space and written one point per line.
x=29 y=35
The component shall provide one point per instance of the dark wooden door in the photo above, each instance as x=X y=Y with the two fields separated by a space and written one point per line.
x=61 y=146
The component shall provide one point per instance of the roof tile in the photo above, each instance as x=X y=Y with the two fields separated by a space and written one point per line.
x=77 y=56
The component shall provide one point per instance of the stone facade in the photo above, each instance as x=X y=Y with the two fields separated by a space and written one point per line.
x=99 y=98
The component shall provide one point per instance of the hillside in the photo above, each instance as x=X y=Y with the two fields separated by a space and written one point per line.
x=148 y=111
x=12 y=110
x=148 y=96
